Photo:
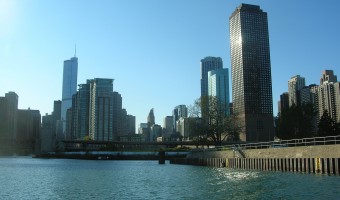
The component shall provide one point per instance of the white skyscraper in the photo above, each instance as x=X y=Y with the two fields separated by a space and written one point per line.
x=329 y=95
x=295 y=84
x=69 y=87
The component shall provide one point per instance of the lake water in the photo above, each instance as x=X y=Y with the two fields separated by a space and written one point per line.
x=28 y=178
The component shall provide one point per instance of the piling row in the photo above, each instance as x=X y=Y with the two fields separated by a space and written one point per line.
x=299 y=165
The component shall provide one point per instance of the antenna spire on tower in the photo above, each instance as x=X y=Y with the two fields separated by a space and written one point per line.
x=75 y=50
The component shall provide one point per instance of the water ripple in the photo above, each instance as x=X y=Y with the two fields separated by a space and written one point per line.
x=26 y=178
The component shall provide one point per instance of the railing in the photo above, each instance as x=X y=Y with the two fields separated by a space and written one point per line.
x=239 y=151
x=294 y=142
x=281 y=143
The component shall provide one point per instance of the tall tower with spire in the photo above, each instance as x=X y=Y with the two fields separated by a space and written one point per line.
x=70 y=75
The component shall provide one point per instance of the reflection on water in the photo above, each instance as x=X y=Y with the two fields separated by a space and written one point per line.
x=236 y=176
x=27 y=178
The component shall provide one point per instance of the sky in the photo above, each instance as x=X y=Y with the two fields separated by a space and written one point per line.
x=152 y=48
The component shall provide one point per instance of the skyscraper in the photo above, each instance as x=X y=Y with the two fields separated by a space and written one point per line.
x=117 y=114
x=208 y=64
x=328 y=76
x=56 y=114
x=70 y=74
x=80 y=105
x=97 y=112
x=329 y=95
x=168 y=126
x=101 y=109
x=337 y=100
x=218 y=86
x=4 y=119
x=29 y=124
x=12 y=99
x=151 y=118
x=295 y=84
x=178 y=112
x=251 y=72
x=284 y=102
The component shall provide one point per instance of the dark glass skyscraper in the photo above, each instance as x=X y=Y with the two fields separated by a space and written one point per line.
x=251 y=72
x=12 y=100
x=101 y=109
x=80 y=109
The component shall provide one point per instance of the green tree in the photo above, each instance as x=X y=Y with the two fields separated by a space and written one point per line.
x=295 y=122
x=216 y=124
x=327 y=126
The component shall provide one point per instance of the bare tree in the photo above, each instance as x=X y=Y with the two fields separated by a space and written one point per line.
x=216 y=123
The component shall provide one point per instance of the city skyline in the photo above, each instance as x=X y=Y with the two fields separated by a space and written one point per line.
x=156 y=66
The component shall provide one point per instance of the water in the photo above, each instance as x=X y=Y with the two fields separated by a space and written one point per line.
x=27 y=178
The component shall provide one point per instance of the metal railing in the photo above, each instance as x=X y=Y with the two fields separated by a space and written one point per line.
x=281 y=143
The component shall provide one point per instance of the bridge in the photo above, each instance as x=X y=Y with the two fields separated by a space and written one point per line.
x=93 y=145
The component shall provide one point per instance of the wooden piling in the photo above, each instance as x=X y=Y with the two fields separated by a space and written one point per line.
x=336 y=166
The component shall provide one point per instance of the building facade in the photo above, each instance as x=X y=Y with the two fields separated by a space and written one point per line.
x=329 y=96
x=80 y=116
x=178 y=112
x=19 y=129
x=155 y=132
x=327 y=77
x=218 y=86
x=101 y=109
x=251 y=72
x=69 y=88
x=97 y=112
x=4 y=119
x=131 y=125
x=117 y=115
x=167 y=126
x=337 y=100
x=284 y=102
x=143 y=129
x=295 y=84
x=208 y=64
x=12 y=100
x=151 y=118
x=29 y=123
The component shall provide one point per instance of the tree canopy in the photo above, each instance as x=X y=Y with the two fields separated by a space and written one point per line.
x=327 y=126
x=295 y=122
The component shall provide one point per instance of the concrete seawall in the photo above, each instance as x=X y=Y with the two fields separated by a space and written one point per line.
x=304 y=159
x=322 y=151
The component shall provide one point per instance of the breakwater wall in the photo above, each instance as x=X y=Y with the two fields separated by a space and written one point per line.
x=312 y=159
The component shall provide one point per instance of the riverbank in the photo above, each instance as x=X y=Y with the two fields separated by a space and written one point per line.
x=323 y=159
x=320 y=151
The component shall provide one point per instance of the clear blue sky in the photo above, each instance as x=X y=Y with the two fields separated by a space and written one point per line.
x=152 y=48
